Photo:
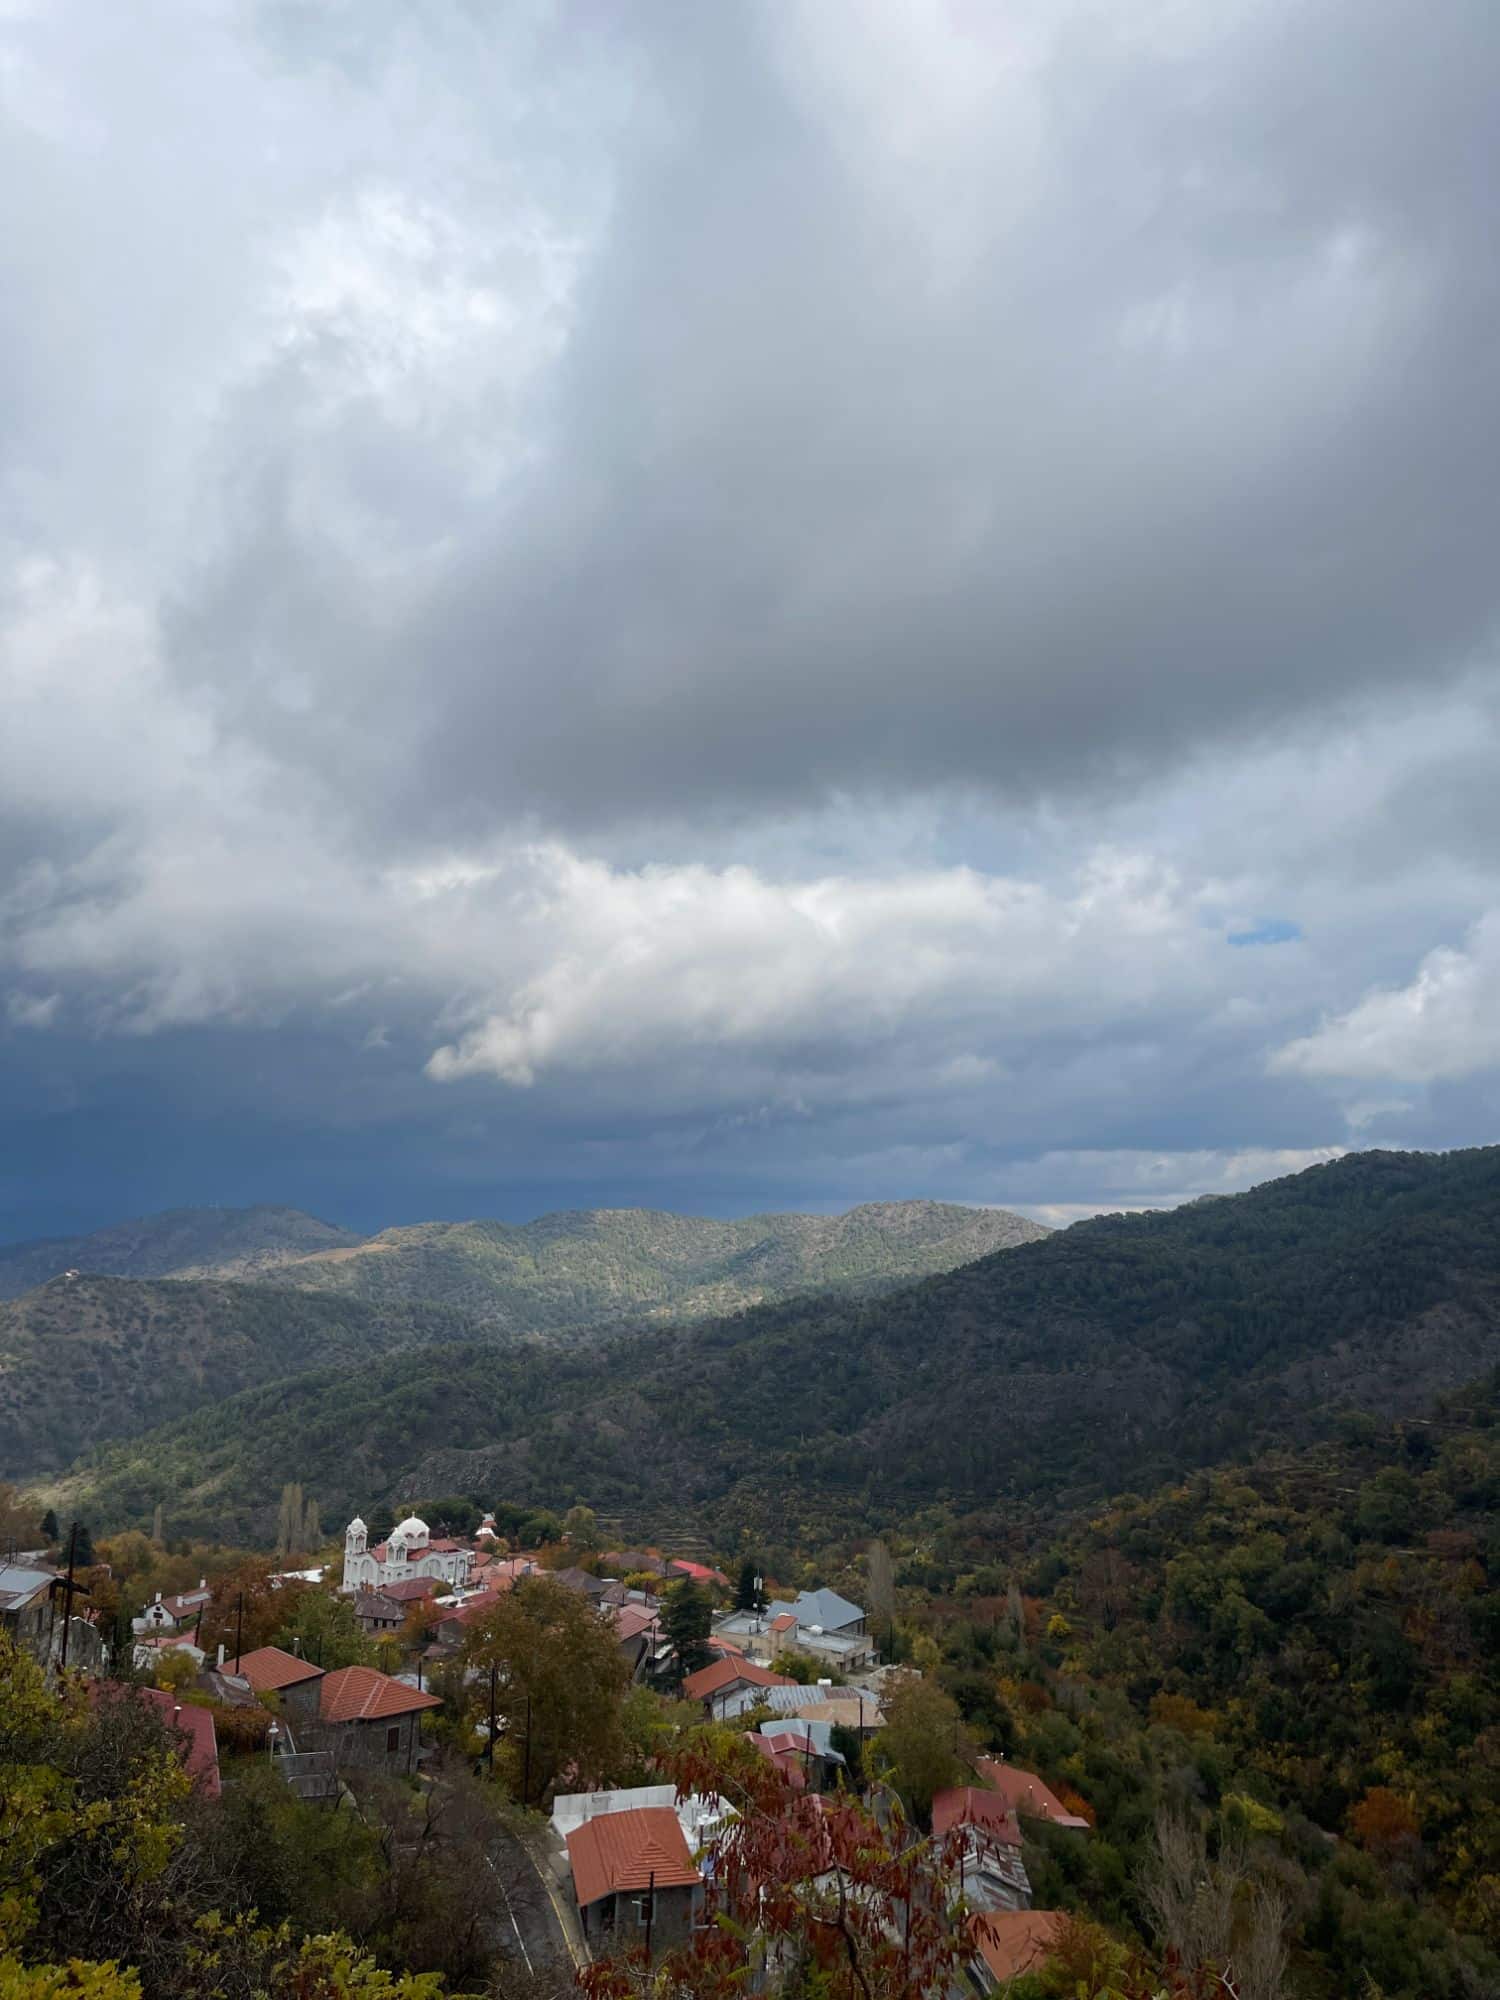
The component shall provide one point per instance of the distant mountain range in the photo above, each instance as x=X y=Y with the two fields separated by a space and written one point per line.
x=1112 y=1355
x=108 y=1334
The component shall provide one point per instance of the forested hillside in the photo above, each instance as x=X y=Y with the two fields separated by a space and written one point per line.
x=86 y=1359
x=1307 y=1647
x=1111 y=1356
x=594 y=1266
x=181 y=1243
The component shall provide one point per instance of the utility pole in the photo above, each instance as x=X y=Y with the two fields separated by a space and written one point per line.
x=239 y=1631
x=650 y=1910
x=489 y=1747
x=526 y=1769
x=68 y=1596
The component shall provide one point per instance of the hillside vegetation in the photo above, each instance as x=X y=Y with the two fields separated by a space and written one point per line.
x=1111 y=1356
x=594 y=1266
x=1308 y=1646
x=182 y=1243
x=85 y=1359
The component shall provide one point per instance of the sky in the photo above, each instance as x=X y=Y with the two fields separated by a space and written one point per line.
x=743 y=607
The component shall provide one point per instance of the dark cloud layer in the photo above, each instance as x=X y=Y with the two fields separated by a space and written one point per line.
x=743 y=605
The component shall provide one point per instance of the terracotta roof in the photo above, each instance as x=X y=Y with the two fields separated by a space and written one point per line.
x=361 y=1694
x=699 y=1572
x=785 y=1622
x=625 y=1850
x=268 y=1669
x=1014 y=1941
x=1025 y=1792
x=722 y=1674
x=407 y=1589
x=966 y=1805
x=631 y=1620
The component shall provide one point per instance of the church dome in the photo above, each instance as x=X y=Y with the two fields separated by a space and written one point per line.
x=356 y=1527
x=410 y=1530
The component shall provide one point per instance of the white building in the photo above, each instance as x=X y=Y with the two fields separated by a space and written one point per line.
x=409 y=1551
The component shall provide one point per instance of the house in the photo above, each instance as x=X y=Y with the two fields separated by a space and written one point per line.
x=698 y=1573
x=408 y=1551
x=1025 y=1793
x=701 y=1819
x=179 y=1613
x=268 y=1670
x=597 y=1589
x=809 y=1744
x=853 y=1707
x=798 y=1628
x=149 y=1651
x=717 y=1685
x=821 y=1610
x=634 y=1879
x=1008 y=1943
x=994 y=1873
x=633 y=1562
x=369 y=1718
x=639 y=1634
x=25 y=1607
x=191 y=1727
x=378 y=1612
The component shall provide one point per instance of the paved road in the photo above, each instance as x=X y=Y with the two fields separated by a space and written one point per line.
x=528 y=1906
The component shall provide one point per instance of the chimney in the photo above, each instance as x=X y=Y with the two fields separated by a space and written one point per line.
x=220 y=1660
x=158 y=1597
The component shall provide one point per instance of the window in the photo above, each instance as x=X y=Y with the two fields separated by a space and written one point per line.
x=393 y=1739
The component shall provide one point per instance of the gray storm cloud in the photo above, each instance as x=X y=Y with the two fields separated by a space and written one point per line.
x=769 y=579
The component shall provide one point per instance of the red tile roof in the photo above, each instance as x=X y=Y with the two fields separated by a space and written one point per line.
x=699 y=1572
x=625 y=1850
x=966 y=1805
x=722 y=1674
x=407 y=1589
x=784 y=1621
x=1024 y=1792
x=631 y=1620
x=361 y=1694
x=268 y=1669
x=1014 y=1941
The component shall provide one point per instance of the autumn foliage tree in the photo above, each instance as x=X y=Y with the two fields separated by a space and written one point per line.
x=804 y=1893
x=558 y=1678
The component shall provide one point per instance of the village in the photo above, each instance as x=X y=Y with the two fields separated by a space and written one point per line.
x=792 y=1683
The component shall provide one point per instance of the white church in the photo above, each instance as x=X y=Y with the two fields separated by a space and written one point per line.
x=408 y=1551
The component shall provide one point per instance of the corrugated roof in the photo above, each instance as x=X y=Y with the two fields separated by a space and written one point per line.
x=361 y=1694
x=625 y=1851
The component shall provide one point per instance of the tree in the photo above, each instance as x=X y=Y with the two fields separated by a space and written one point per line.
x=19 y=1526
x=156 y=1526
x=289 y=1518
x=881 y=1579
x=921 y=1744
x=382 y=1520
x=580 y=1529
x=83 y=1547
x=324 y=1629
x=558 y=1677
x=687 y=1619
x=749 y=1594
x=49 y=1527
x=840 y=1902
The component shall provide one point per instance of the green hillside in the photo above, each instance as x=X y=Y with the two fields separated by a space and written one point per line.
x=84 y=1359
x=182 y=1243
x=594 y=1266
x=1106 y=1357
